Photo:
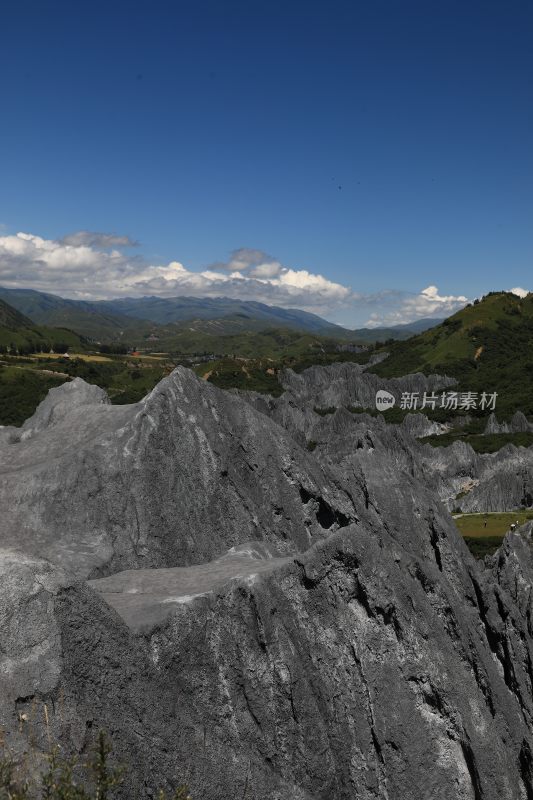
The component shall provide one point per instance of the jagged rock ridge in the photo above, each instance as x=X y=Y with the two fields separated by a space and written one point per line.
x=173 y=480
x=354 y=651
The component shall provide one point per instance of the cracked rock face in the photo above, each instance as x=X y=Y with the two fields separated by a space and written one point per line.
x=500 y=481
x=269 y=622
x=173 y=480
x=350 y=384
x=518 y=424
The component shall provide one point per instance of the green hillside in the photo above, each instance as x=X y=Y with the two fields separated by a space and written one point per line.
x=11 y=318
x=110 y=317
x=19 y=335
x=487 y=346
x=38 y=339
x=270 y=342
x=22 y=389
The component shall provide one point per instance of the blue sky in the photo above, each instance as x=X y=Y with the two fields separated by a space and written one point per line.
x=382 y=147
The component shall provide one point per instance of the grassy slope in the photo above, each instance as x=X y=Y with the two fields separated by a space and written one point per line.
x=19 y=332
x=38 y=338
x=221 y=338
x=11 y=318
x=487 y=347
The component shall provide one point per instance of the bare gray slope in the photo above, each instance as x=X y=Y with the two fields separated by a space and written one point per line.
x=458 y=476
x=144 y=598
x=336 y=386
x=490 y=482
x=350 y=384
x=353 y=651
x=358 y=670
x=176 y=479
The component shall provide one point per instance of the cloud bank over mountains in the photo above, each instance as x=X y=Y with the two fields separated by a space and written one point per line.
x=89 y=265
x=396 y=308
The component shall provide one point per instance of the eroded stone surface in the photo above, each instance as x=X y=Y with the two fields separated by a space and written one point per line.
x=145 y=598
x=173 y=480
x=350 y=648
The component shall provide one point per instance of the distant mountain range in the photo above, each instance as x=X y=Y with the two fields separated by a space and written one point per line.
x=187 y=309
x=138 y=318
x=79 y=316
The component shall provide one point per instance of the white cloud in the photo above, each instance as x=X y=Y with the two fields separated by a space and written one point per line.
x=30 y=261
x=268 y=270
x=89 y=265
x=520 y=292
x=77 y=266
x=398 y=308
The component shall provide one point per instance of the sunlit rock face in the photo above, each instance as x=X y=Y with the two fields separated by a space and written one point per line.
x=351 y=384
x=260 y=619
x=173 y=480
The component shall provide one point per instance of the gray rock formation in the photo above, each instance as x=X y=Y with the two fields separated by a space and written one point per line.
x=173 y=480
x=418 y=425
x=505 y=481
x=146 y=597
x=460 y=477
x=320 y=389
x=260 y=620
x=518 y=424
x=360 y=669
x=348 y=384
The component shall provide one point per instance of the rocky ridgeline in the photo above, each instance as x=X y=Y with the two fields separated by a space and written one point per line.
x=348 y=384
x=173 y=480
x=461 y=478
x=518 y=424
x=342 y=385
x=252 y=617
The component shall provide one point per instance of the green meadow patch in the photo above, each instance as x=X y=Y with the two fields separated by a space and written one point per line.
x=483 y=533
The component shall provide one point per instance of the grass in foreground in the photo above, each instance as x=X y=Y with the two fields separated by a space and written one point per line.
x=69 y=779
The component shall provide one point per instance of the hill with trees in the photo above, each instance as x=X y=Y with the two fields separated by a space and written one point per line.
x=487 y=347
